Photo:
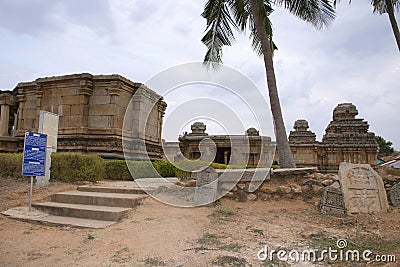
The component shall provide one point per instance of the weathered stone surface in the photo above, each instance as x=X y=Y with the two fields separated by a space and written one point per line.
x=251 y=197
x=269 y=189
x=327 y=182
x=296 y=188
x=332 y=200
x=206 y=186
x=244 y=175
x=284 y=189
x=247 y=149
x=363 y=189
x=394 y=194
x=265 y=196
x=91 y=109
x=317 y=188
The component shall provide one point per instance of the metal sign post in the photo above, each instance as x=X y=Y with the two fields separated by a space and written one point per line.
x=34 y=160
x=30 y=194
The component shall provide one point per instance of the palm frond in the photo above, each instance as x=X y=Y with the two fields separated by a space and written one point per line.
x=379 y=6
x=319 y=13
x=240 y=11
x=218 y=31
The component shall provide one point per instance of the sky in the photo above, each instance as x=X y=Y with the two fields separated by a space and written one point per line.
x=354 y=60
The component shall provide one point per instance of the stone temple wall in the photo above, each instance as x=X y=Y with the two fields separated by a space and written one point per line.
x=91 y=110
x=248 y=149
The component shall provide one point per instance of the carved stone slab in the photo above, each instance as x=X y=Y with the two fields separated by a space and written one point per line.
x=332 y=200
x=206 y=186
x=363 y=189
x=394 y=194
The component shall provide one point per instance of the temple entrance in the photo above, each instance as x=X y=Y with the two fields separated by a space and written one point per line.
x=223 y=155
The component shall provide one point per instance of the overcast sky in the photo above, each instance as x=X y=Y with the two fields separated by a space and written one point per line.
x=355 y=60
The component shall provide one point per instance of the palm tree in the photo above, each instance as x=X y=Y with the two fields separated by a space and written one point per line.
x=225 y=15
x=387 y=6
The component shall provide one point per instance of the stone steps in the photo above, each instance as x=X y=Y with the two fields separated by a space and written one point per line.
x=127 y=200
x=93 y=212
x=108 y=189
x=91 y=206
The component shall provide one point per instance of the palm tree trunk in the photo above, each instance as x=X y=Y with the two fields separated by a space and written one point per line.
x=392 y=18
x=285 y=155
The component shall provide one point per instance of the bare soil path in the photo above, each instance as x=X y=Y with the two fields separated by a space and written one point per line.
x=228 y=234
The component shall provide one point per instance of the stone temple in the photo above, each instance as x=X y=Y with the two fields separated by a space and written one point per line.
x=346 y=139
x=91 y=111
x=247 y=149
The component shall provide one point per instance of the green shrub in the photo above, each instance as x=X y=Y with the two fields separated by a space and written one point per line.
x=11 y=165
x=218 y=165
x=117 y=170
x=73 y=167
x=142 y=169
x=165 y=168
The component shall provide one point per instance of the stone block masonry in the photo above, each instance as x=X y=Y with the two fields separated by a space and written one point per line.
x=91 y=110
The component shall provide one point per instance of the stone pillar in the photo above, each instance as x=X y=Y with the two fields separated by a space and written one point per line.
x=4 y=119
x=5 y=103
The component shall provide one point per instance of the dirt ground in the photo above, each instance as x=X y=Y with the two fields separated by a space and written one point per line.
x=229 y=233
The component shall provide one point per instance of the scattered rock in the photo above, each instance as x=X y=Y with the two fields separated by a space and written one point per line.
x=335 y=185
x=312 y=182
x=241 y=186
x=332 y=176
x=191 y=183
x=264 y=196
x=306 y=188
x=251 y=197
x=327 y=182
x=319 y=176
x=285 y=189
x=317 y=188
x=269 y=189
x=179 y=184
x=296 y=188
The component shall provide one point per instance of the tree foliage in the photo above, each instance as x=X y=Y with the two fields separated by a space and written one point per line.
x=385 y=147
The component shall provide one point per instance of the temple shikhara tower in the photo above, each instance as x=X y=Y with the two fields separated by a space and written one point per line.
x=346 y=139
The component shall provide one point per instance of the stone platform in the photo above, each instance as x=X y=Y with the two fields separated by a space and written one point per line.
x=90 y=206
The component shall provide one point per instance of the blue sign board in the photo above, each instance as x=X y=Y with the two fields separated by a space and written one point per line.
x=34 y=154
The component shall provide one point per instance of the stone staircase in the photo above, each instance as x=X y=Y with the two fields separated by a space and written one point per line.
x=91 y=206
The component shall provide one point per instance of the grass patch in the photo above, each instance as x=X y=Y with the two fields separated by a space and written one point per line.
x=210 y=239
x=257 y=231
x=224 y=210
x=231 y=247
x=121 y=256
x=230 y=261
x=154 y=262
